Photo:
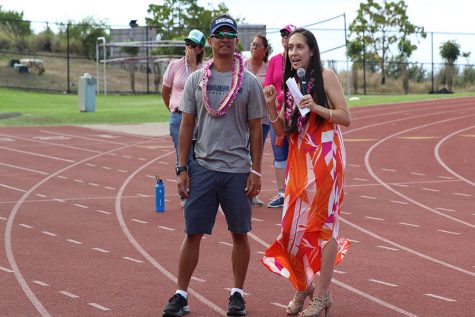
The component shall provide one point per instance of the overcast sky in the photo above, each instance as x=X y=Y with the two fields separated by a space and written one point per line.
x=435 y=16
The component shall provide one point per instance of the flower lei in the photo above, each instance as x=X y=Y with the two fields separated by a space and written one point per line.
x=290 y=107
x=238 y=71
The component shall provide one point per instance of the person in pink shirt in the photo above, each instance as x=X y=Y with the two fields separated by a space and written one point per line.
x=175 y=77
x=280 y=146
x=257 y=64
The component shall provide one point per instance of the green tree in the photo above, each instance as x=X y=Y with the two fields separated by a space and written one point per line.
x=355 y=53
x=175 y=18
x=450 y=52
x=381 y=26
x=15 y=28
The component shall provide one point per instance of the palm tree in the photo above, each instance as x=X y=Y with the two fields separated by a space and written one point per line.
x=450 y=52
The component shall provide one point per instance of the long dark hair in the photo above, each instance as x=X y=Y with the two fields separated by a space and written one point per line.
x=314 y=70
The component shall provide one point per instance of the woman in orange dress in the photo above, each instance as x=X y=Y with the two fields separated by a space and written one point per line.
x=309 y=241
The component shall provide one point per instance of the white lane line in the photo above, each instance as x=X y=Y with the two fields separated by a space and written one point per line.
x=49 y=233
x=71 y=295
x=139 y=221
x=151 y=176
x=256 y=219
x=81 y=206
x=166 y=228
x=278 y=305
x=401 y=185
x=339 y=272
x=37 y=154
x=445 y=177
x=387 y=248
x=40 y=283
x=449 y=232
x=261 y=252
x=132 y=259
x=388 y=170
x=40 y=195
x=79 y=181
x=278 y=224
x=62 y=177
x=172 y=180
x=368 y=197
x=142 y=159
x=430 y=189
x=374 y=218
x=126 y=156
x=59 y=200
x=360 y=179
x=399 y=202
x=90 y=164
x=122 y=171
x=462 y=194
x=345 y=212
x=107 y=167
x=409 y=224
x=23 y=168
x=108 y=187
x=100 y=307
x=14 y=188
x=142 y=195
x=93 y=184
x=25 y=226
x=354 y=165
x=441 y=297
x=101 y=250
x=74 y=241
x=418 y=174
x=103 y=212
x=443 y=209
x=226 y=243
x=382 y=283
x=3 y=218
x=5 y=269
x=198 y=279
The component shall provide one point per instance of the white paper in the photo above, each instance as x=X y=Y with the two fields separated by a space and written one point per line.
x=296 y=94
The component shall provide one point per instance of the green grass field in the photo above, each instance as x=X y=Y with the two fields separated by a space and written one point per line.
x=25 y=108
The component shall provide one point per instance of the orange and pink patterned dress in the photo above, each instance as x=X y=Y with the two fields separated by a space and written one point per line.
x=313 y=198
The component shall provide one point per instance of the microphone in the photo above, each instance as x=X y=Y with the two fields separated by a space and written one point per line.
x=303 y=83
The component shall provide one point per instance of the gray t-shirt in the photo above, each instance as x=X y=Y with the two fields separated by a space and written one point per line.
x=222 y=143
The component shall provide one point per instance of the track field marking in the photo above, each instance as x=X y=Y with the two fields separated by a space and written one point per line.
x=339 y=272
x=108 y=187
x=161 y=162
x=256 y=219
x=359 y=140
x=24 y=169
x=37 y=154
x=40 y=283
x=387 y=248
x=360 y=179
x=409 y=224
x=49 y=233
x=468 y=135
x=5 y=269
x=198 y=279
x=382 y=283
x=418 y=174
x=226 y=243
x=93 y=184
x=122 y=171
x=415 y=138
x=374 y=218
x=142 y=159
x=352 y=241
x=40 y=195
x=62 y=177
x=445 y=177
x=345 y=212
x=449 y=232
x=388 y=170
x=139 y=221
x=278 y=305
x=367 y=197
x=25 y=226
x=132 y=259
x=81 y=206
x=172 y=180
x=100 y=307
x=143 y=195
x=462 y=194
x=103 y=212
x=166 y=228
x=101 y=250
x=74 y=241
x=59 y=200
x=90 y=164
x=278 y=224
x=107 y=167
x=261 y=252
x=68 y=294
x=3 y=218
x=444 y=209
x=79 y=181
x=351 y=165
x=124 y=145
x=430 y=189
x=441 y=297
x=126 y=156
x=399 y=202
x=14 y=188
x=401 y=185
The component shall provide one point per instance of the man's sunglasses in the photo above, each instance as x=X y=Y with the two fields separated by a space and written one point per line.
x=222 y=35
x=192 y=44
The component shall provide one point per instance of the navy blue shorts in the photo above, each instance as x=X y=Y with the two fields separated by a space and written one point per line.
x=209 y=190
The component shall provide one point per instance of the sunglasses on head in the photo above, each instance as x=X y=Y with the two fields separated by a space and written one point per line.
x=190 y=43
x=222 y=35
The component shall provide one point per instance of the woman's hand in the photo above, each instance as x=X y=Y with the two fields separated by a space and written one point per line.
x=307 y=102
x=270 y=93
x=191 y=57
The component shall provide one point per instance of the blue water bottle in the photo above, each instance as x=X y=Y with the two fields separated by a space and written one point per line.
x=159 y=195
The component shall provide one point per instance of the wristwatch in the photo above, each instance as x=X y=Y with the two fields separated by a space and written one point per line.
x=180 y=169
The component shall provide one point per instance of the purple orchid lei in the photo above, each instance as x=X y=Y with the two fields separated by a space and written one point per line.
x=238 y=71
x=290 y=107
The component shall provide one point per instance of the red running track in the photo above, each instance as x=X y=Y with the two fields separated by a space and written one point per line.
x=81 y=237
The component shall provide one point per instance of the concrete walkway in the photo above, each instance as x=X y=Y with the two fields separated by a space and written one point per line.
x=144 y=129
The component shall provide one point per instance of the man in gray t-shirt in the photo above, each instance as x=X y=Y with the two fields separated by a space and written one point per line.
x=222 y=105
